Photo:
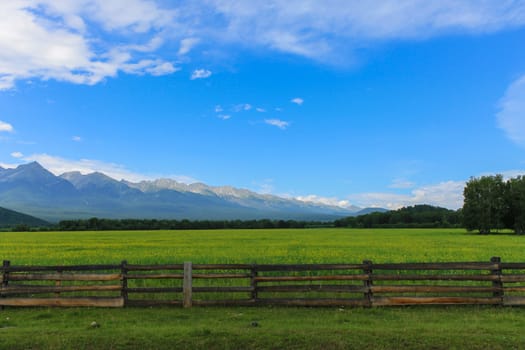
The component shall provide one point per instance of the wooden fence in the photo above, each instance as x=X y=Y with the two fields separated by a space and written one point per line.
x=366 y=284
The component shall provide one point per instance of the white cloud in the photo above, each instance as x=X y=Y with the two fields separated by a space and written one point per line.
x=326 y=201
x=186 y=45
x=511 y=117
x=247 y=106
x=224 y=116
x=298 y=101
x=87 y=41
x=260 y=110
x=218 y=109
x=67 y=40
x=200 y=74
x=281 y=124
x=159 y=68
x=17 y=154
x=6 y=127
x=77 y=138
x=447 y=194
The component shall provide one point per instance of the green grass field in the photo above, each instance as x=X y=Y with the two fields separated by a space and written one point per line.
x=257 y=246
x=467 y=327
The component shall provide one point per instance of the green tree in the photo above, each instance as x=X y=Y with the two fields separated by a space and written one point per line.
x=516 y=204
x=484 y=206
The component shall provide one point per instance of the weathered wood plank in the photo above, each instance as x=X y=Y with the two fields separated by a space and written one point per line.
x=155 y=290
x=58 y=289
x=15 y=268
x=513 y=266
x=513 y=300
x=178 y=276
x=313 y=288
x=187 y=285
x=64 y=277
x=512 y=278
x=222 y=289
x=311 y=278
x=220 y=275
x=63 y=302
x=426 y=277
x=433 y=289
x=437 y=266
x=514 y=289
x=394 y=301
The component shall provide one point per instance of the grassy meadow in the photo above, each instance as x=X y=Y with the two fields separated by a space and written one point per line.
x=257 y=246
x=459 y=327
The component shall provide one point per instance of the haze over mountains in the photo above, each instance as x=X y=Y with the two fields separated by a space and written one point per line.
x=32 y=189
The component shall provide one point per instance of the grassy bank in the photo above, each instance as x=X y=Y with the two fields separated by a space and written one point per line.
x=264 y=328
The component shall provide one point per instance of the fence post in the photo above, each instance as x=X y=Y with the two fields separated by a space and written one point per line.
x=5 y=276
x=497 y=283
x=124 y=274
x=367 y=270
x=187 y=285
x=58 y=283
x=253 y=283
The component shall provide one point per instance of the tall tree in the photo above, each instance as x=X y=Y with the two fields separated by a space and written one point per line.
x=516 y=204
x=484 y=206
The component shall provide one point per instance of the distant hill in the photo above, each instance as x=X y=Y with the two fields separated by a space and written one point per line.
x=11 y=218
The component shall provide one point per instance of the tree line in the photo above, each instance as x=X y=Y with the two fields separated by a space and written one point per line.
x=97 y=224
x=417 y=216
x=493 y=204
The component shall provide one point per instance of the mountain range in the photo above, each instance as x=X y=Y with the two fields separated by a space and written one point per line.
x=32 y=189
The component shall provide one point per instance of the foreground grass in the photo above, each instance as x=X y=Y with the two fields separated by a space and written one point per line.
x=257 y=246
x=264 y=328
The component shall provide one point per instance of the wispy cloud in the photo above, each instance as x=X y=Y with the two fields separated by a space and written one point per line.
x=325 y=30
x=511 y=117
x=17 y=154
x=281 y=124
x=77 y=138
x=298 y=101
x=6 y=127
x=224 y=116
x=200 y=74
x=186 y=45
x=401 y=184
x=260 y=110
x=218 y=109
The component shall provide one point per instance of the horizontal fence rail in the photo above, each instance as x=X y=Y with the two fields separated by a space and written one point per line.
x=367 y=284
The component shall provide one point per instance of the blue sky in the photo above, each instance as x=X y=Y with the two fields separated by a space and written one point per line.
x=343 y=102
